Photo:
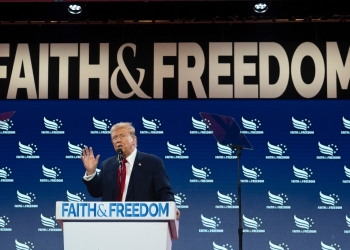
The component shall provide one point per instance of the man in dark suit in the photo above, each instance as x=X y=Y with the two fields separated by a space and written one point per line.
x=145 y=178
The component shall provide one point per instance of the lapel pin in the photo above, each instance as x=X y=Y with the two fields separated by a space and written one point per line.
x=139 y=164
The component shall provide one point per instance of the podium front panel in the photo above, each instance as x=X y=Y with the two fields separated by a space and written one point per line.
x=115 y=235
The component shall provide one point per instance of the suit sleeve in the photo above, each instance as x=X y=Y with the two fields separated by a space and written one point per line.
x=94 y=186
x=162 y=184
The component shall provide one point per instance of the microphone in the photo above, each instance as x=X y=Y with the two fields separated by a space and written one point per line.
x=120 y=154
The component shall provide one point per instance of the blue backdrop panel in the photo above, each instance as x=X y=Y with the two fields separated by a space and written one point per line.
x=295 y=190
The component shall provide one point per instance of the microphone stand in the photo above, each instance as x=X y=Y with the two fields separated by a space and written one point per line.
x=120 y=160
x=240 y=230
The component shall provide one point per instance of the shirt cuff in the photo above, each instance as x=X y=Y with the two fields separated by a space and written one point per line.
x=89 y=177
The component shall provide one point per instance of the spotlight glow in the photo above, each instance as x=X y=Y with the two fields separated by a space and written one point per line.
x=74 y=9
x=260 y=8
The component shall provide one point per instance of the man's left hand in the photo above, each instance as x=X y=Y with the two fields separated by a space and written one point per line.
x=177 y=214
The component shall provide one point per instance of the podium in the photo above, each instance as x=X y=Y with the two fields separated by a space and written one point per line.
x=117 y=225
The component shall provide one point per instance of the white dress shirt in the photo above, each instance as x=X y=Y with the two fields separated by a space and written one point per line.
x=129 y=165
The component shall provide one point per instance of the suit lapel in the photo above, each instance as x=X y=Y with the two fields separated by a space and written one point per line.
x=135 y=172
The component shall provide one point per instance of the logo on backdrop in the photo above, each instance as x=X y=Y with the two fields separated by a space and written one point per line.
x=78 y=197
x=279 y=150
x=253 y=224
x=223 y=247
x=27 y=200
x=51 y=174
x=202 y=174
x=226 y=151
x=347 y=173
x=282 y=246
x=75 y=150
x=4 y=221
x=280 y=200
x=201 y=126
x=50 y=224
x=346 y=124
x=28 y=151
x=228 y=200
x=347 y=219
x=302 y=127
x=5 y=173
x=180 y=199
x=305 y=224
x=53 y=127
x=328 y=150
x=152 y=126
x=211 y=223
x=304 y=175
x=253 y=175
x=5 y=127
x=24 y=246
x=334 y=246
x=102 y=126
x=252 y=126
x=330 y=200
x=177 y=150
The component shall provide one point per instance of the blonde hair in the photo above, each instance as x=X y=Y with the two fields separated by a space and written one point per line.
x=128 y=126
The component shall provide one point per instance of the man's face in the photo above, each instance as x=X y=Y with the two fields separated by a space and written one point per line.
x=121 y=139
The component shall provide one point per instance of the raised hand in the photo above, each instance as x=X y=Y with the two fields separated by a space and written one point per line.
x=88 y=158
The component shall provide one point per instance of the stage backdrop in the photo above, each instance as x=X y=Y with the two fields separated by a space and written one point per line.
x=289 y=98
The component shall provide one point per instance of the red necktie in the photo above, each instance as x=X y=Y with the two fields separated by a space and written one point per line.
x=123 y=180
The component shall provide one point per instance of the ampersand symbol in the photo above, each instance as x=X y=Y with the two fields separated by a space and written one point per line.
x=101 y=213
x=131 y=81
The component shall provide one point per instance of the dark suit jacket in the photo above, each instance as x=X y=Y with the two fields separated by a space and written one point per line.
x=148 y=180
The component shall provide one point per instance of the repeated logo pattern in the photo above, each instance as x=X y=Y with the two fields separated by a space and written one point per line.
x=251 y=173
x=334 y=246
x=24 y=246
x=47 y=222
x=346 y=123
x=213 y=222
x=347 y=171
x=305 y=223
x=75 y=149
x=201 y=173
x=51 y=173
x=281 y=246
x=201 y=127
x=225 y=150
x=278 y=149
x=6 y=125
x=29 y=149
x=330 y=149
x=253 y=223
x=180 y=199
x=104 y=124
x=5 y=172
x=279 y=199
x=27 y=198
x=52 y=125
x=223 y=247
x=304 y=173
x=347 y=220
x=78 y=197
x=226 y=199
x=177 y=149
x=304 y=124
x=251 y=125
x=331 y=199
x=4 y=221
